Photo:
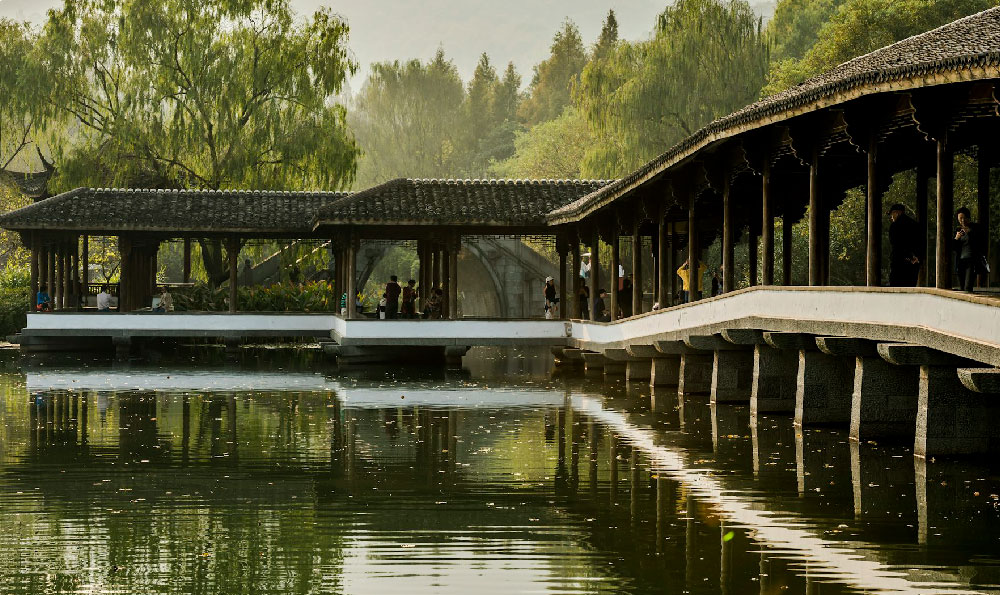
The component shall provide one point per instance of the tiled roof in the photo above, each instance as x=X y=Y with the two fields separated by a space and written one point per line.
x=209 y=211
x=32 y=184
x=970 y=46
x=462 y=202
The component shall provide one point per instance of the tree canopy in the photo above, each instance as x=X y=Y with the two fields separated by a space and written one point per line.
x=707 y=58
x=554 y=77
x=200 y=93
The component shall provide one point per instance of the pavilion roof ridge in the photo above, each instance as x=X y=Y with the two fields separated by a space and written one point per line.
x=968 y=48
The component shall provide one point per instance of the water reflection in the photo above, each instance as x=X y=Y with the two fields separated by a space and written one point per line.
x=287 y=476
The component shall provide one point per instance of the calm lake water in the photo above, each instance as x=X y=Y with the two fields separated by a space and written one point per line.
x=283 y=475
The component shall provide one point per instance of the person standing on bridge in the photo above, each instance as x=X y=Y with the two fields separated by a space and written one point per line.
x=905 y=248
x=971 y=248
x=686 y=282
x=408 y=306
x=551 y=299
x=601 y=313
x=392 y=291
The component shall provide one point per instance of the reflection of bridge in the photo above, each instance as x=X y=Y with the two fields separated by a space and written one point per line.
x=670 y=493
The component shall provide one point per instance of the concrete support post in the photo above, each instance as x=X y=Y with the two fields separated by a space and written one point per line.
x=636 y=269
x=577 y=280
x=951 y=419
x=663 y=271
x=695 y=374
x=187 y=260
x=774 y=380
x=595 y=271
x=983 y=204
x=616 y=262
x=873 y=257
x=767 y=228
x=815 y=225
x=732 y=376
x=665 y=371
x=692 y=251
x=824 y=388
x=233 y=252
x=786 y=249
x=638 y=370
x=728 y=247
x=945 y=224
x=884 y=401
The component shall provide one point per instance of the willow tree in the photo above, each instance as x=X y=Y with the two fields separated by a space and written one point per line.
x=23 y=95
x=405 y=120
x=200 y=93
x=706 y=58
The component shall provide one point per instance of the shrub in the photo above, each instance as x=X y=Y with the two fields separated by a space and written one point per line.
x=14 y=303
x=286 y=297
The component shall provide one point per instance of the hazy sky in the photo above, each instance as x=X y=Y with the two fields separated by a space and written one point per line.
x=518 y=30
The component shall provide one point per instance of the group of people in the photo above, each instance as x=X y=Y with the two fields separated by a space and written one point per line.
x=401 y=302
x=104 y=301
x=906 y=241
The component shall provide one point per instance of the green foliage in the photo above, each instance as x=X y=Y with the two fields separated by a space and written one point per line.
x=796 y=25
x=552 y=149
x=199 y=93
x=14 y=302
x=706 y=59
x=555 y=76
x=24 y=89
x=286 y=297
x=608 y=40
x=404 y=119
x=13 y=254
x=858 y=27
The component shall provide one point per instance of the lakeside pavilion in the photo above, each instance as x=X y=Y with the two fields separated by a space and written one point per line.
x=911 y=106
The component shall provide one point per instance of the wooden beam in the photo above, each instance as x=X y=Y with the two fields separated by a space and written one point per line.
x=728 y=235
x=50 y=269
x=945 y=204
x=615 y=263
x=85 y=259
x=692 y=250
x=456 y=246
x=574 y=237
x=983 y=203
x=33 y=240
x=663 y=271
x=563 y=292
x=350 y=270
x=595 y=271
x=187 y=260
x=923 y=222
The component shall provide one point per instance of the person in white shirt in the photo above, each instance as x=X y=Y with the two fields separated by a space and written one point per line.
x=585 y=266
x=104 y=300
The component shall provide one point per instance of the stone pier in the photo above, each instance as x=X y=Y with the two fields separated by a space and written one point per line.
x=775 y=367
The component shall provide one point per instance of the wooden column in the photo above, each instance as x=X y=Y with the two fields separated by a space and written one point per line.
x=692 y=250
x=595 y=271
x=350 y=266
x=663 y=271
x=50 y=270
x=728 y=245
x=446 y=281
x=983 y=203
x=85 y=259
x=435 y=267
x=636 y=268
x=615 y=263
x=60 y=274
x=945 y=204
x=923 y=223
x=873 y=256
x=562 y=246
x=672 y=264
x=815 y=225
x=577 y=281
x=456 y=246
x=767 y=228
x=33 y=241
x=786 y=248
x=233 y=252
x=187 y=260
x=76 y=294
x=752 y=256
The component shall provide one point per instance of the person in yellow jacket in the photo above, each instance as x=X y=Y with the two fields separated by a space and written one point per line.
x=686 y=280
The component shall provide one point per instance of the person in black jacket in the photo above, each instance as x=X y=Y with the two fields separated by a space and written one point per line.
x=905 y=248
x=971 y=248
